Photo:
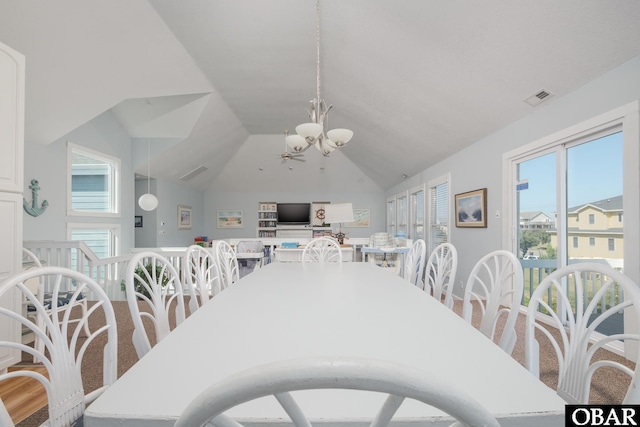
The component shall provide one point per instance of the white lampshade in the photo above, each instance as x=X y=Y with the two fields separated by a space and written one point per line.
x=324 y=148
x=148 y=202
x=340 y=136
x=330 y=143
x=309 y=130
x=338 y=212
x=296 y=142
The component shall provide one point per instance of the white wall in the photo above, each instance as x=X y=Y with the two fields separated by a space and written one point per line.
x=480 y=165
x=248 y=203
x=48 y=164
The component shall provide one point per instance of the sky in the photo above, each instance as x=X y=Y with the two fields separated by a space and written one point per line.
x=594 y=173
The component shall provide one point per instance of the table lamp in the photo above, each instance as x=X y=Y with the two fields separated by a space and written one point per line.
x=338 y=213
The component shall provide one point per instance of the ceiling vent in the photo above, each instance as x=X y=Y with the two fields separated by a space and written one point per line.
x=196 y=171
x=538 y=97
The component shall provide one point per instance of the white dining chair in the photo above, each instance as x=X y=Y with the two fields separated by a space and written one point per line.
x=63 y=348
x=413 y=270
x=43 y=290
x=495 y=286
x=203 y=278
x=440 y=273
x=227 y=264
x=154 y=293
x=322 y=249
x=593 y=284
x=280 y=378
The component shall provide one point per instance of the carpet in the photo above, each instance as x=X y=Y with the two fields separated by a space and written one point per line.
x=609 y=385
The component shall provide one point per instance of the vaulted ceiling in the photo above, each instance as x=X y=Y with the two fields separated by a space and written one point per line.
x=219 y=81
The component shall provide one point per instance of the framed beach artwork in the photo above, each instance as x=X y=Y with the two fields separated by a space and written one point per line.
x=471 y=209
x=230 y=219
x=361 y=218
x=184 y=217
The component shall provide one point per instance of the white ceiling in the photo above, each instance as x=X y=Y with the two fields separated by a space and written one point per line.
x=415 y=80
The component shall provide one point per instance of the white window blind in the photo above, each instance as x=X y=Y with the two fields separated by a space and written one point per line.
x=416 y=230
x=438 y=215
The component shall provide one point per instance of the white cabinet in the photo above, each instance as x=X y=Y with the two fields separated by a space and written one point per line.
x=11 y=183
x=267 y=219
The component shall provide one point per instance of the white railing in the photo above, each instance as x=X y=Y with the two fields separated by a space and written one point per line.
x=107 y=272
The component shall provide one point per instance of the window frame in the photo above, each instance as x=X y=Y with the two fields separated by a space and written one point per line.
x=413 y=212
x=114 y=182
x=626 y=119
x=114 y=229
x=432 y=186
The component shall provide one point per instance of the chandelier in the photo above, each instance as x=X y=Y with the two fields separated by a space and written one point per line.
x=313 y=133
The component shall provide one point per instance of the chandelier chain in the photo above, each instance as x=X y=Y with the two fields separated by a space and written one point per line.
x=318 y=49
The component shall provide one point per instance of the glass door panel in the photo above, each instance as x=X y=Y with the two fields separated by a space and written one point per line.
x=595 y=212
x=537 y=208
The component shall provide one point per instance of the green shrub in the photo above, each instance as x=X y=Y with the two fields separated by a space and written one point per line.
x=138 y=285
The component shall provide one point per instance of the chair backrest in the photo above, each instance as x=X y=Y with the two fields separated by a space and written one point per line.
x=322 y=249
x=227 y=264
x=64 y=348
x=249 y=246
x=440 y=274
x=281 y=378
x=495 y=283
x=203 y=278
x=414 y=263
x=152 y=283
x=592 y=283
x=382 y=240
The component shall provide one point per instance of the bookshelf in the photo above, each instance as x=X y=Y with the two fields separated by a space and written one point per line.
x=267 y=219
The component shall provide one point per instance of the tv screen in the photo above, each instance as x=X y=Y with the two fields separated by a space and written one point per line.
x=294 y=213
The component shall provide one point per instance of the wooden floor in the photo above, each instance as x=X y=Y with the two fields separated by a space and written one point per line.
x=23 y=396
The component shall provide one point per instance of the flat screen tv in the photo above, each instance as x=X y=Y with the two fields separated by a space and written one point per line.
x=294 y=213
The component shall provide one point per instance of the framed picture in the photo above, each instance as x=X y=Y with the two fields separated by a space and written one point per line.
x=471 y=209
x=230 y=219
x=138 y=221
x=361 y=218
x=184 y=216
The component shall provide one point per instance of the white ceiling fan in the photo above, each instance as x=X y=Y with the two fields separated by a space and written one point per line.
x=290 y=156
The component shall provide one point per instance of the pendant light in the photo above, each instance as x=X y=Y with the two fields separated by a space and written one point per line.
x=148 y=201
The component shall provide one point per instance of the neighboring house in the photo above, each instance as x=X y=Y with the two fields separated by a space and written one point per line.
x=595 y=229
x=535 y=221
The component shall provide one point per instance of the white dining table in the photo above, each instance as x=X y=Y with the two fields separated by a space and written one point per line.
x=292 y=310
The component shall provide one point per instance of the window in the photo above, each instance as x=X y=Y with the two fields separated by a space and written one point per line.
x=391 y=215
x=438 y=211
x=402 y=216
x=102 y=239
x=416 y=212
x=93 y=182
x=588 y=168
x=619 y=216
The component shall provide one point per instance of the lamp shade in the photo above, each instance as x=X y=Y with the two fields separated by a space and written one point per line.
x=324 y=147
x=338 y=212
x=296 y=142
x=309 y=130
x=148 y=202
x=340 y=136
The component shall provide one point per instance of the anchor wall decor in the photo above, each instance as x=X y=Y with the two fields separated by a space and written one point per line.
x=34 y=210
